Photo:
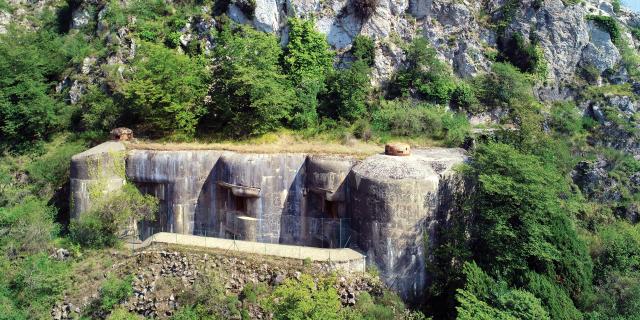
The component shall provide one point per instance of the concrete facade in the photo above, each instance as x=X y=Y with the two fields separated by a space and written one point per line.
x=383 y=206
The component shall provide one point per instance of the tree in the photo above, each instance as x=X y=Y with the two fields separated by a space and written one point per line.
x=250 y=93
x=29 y=61
x=520 y=224
x=347 y=92
x=307 y=62
x=167 y=90
x=424 y=76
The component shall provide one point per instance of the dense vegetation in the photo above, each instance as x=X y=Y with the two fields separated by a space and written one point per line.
x=528 y=244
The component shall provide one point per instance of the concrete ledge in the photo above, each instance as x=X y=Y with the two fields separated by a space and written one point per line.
x=344 y=259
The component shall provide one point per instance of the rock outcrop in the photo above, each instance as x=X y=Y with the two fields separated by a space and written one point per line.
x=463 y=33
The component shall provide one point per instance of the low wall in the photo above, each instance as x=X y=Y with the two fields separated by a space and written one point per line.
x=344 y=259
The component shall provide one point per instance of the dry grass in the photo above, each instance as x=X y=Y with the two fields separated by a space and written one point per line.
x=285 y=142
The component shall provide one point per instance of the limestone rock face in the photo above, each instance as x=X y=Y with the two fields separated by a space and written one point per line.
x=79 y=18
x=600 y=53
x=619 y=129
x=5 y=18
x=461 y=31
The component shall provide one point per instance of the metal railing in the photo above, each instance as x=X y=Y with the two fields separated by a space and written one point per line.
x=280 y=229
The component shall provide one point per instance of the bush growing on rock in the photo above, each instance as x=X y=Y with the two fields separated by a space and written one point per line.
x=608 y=24
x=424 y=76
x=527 y=56
x=363 y=48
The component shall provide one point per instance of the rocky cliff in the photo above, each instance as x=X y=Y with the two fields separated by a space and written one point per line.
x=464 y=33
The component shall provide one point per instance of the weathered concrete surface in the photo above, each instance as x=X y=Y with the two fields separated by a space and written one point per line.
x=394 y=201
x=98 y=170
x=279 y=179
x=384 y=206
x=182 y=182
x=343 y=259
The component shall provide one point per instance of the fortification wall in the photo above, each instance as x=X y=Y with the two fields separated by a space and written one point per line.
x=383 y=206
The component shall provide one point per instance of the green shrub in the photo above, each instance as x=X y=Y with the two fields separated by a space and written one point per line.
x=617 y=5
x=554 y=298
x=362 y=130
x=635 y=32
x=304 y=300
x=252 y=291
x=618 y=251
x=471 y=308
x=464 y=98
x=98 y=110
x=115 y=291
x=402 y=118
x=618 y=297
x=187 y=313
x=483 y=297
x=89 y=231
x=27 y=227
x=5 y=6
x=366 y=308
x=250 y=93
x=123 y=314
x=505 y=87
x=363 y=48
x=347 y=92
x=111 y=215
x=425 y=75
x=207 y=299
x=36 y=283
x=566 y=118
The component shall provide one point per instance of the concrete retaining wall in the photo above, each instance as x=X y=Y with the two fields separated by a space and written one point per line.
x=343 y=259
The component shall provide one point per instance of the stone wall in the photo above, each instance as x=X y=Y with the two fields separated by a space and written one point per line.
x=383 y=206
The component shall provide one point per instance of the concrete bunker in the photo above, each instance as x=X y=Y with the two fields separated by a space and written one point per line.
x=238 y=215
x=382 y=206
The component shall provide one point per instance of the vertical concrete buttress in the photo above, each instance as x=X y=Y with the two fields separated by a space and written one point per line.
x=95 y=172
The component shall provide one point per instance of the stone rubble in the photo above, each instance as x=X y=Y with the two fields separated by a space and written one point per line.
x=153 y=300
